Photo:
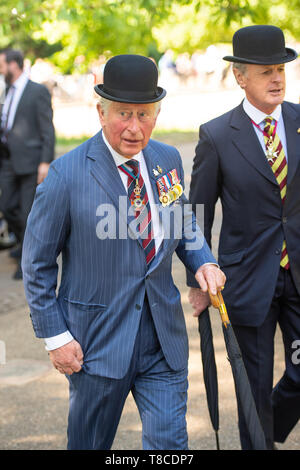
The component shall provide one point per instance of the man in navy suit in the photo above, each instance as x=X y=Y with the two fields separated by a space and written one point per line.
x=27 y=140
x=250 y=159
x=117 y=323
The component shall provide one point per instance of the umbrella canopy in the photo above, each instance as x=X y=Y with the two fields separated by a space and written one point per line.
x=209 y=370
x=241 y=381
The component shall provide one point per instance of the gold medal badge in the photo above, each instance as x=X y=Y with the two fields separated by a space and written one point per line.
x=178 y=189
x=137 y=202
x=164 y=199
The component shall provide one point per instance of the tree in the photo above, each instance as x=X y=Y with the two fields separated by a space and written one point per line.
x=66 y=29
x=205 y=22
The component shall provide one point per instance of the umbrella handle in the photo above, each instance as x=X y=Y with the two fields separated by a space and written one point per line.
x=217 y=301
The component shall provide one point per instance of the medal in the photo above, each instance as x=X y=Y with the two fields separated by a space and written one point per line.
x=178 y=189
x=169 y=188
x=164 y=199
x=137 y=202
x=270 y=152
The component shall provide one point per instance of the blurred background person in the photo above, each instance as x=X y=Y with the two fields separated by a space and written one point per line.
x=27 y=143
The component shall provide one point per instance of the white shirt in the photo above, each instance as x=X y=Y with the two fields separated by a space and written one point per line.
x=19 y=86
x=64 y=338
x=259 y=116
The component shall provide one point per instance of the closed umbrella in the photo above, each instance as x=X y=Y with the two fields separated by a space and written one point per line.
x=209 y=370
x=241 y=381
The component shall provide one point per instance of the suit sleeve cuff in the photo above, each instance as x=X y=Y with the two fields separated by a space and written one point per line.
x=57 y=341
x=214 y=264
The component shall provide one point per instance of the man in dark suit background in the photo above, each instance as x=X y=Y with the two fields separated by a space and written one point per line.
x=27 y=142
x=252 y=164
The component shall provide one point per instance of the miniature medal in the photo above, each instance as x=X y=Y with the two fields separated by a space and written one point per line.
x=270 y=152
x=137 y=202
x=164 y=199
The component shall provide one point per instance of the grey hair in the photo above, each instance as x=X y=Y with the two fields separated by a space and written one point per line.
x=240 y=67
x=105 y=104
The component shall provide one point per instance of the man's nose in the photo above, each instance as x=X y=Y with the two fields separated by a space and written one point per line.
x=133 y=124
x=277 y=76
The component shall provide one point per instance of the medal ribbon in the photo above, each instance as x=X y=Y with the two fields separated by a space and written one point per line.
x=130 y=172
x=264 y=132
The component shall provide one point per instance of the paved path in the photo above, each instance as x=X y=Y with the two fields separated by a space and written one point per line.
x=34 y=397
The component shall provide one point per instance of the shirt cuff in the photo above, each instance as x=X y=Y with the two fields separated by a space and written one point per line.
x=214 y=264
x=57 y=341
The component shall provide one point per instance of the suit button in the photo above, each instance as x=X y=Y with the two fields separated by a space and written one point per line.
x=284 y=220
x=277 y=252
x=138 y=307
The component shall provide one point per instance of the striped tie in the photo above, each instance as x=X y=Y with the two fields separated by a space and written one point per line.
x=144 y=214
x=277 y=160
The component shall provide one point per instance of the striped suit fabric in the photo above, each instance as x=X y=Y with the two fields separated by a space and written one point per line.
x=105 y=281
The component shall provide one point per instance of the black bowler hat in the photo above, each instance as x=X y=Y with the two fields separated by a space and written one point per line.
x=260 y=44
x=130 y=78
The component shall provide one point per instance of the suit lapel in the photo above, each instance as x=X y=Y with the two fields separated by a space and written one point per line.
x=23 y=99
x=245 y=139
x=153 y=160
x=291 y=123
x=104 y=169
x=105 y=172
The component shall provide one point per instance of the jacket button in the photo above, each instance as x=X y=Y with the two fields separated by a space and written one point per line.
x=284 y=220
x=277 y=252
x=138 y=307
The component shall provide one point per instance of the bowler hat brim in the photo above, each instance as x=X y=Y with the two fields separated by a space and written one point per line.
x=290 y=55
x=131 y=97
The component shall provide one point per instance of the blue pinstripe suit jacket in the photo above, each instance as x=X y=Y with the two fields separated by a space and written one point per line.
x=103 y=281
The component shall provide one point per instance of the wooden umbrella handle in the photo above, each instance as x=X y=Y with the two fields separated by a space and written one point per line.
x=217 y=301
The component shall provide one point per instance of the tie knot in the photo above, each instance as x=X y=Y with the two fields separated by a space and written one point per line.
x=134 y=165
x=268 y=128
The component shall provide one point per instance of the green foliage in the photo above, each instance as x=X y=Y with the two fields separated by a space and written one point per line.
x=205 y=22
x=64 y=30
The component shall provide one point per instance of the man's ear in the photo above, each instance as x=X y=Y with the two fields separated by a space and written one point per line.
x=240 y=77
x=101 y=114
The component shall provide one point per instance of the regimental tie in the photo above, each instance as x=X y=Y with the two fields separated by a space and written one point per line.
x=139 y=200
x=277 y=160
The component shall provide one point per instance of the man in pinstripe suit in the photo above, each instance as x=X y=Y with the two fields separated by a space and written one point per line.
x=116 y=324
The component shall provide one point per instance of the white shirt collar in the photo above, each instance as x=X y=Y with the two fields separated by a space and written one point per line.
x=119 y=159
x=258 y=116
x=21 y=81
